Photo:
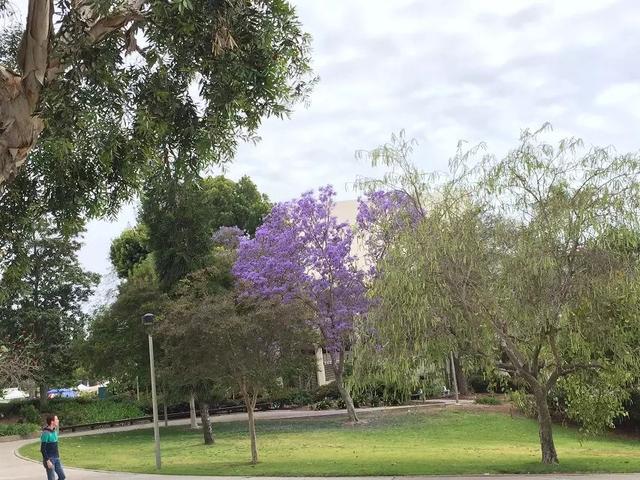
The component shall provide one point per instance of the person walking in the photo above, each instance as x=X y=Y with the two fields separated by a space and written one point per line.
x=49 y=449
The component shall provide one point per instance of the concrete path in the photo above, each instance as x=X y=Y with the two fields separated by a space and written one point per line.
x=12 y=467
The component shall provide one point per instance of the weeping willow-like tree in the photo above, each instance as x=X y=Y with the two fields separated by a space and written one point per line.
x=526 y=256
x=393 y=206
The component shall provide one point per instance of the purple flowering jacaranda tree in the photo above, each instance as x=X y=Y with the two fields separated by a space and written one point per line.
x=302 y=253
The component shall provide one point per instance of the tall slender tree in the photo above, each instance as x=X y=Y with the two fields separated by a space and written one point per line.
x=190 y=333
x=42 y=292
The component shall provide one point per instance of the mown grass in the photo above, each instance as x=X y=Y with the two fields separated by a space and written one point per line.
x=444 y=441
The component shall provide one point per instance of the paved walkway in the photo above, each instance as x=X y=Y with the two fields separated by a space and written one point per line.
x=13 y=467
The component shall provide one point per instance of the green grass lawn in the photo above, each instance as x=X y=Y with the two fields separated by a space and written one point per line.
x=444 y=441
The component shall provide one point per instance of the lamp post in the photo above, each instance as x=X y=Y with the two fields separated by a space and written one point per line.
x=147 y=321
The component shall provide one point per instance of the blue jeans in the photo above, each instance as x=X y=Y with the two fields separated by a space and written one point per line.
x=57 y=469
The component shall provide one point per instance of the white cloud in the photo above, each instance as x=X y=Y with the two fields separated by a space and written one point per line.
x=624 y=96
x=589 y=120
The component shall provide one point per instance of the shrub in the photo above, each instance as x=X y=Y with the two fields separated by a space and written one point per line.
x=493 y=382
x=30 y=414
x=326 y=392
x=227 y=402
x=12 y=408
x=22 y=429
x=80 y=411
x=290 y=397
x=632 y=406
x=491 y=400
x=324 y=405
x=380 y=394
x=432 y=390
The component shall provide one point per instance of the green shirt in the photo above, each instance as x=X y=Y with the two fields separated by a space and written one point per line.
x=49 y=444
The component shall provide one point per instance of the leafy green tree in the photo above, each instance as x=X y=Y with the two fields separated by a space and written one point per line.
x=88 y=116
x=181 y=218
x=394 y=203
x=213 y=341
x=43 y=289
x=515 y=252
x=65 y=79
x=129 y=249
x=187 y=330
x=115 y=347
x=254 y=345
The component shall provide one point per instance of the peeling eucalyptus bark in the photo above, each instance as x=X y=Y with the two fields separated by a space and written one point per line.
x=20 y=92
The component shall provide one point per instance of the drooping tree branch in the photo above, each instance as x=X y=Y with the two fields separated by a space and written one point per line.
x=16 y=366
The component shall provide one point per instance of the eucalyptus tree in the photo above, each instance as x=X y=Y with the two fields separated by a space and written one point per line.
x=517 y=252
x=94 y=95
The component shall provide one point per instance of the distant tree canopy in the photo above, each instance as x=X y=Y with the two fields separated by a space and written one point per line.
x=129 y=249
x=178 y=220
x=42 y=290
x=185 y=228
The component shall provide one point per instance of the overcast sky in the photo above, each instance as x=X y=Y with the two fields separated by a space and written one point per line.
x=444 y=71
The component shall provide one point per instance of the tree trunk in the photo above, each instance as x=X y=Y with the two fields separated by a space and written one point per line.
x=344 y=393
x=192 y=412
x=251 y=405
x=545 y=427
x=20 y=126
x=166 y=416
x=446 y=367
x=44 y=398
x=19 y=94
x=463 y=386
x=206 y=424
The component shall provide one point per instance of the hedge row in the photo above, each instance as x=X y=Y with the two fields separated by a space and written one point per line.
x=21 y=429
x=74 y=411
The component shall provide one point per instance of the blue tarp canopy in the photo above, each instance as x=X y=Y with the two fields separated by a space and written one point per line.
x=63 y=392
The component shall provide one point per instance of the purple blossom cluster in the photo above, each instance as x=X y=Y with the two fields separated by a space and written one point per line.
x=228 y=237
x=381 y=216
x=301 y=252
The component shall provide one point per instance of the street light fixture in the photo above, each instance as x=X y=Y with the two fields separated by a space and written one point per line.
x=147 y=321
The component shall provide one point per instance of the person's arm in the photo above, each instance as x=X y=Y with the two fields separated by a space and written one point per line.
x=43 y=450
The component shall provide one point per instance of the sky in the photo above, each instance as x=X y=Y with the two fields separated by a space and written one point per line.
x=443 y=70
